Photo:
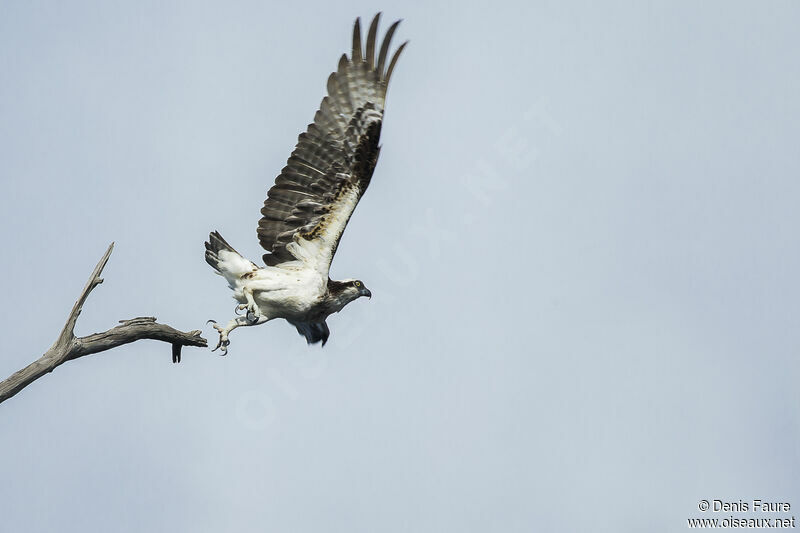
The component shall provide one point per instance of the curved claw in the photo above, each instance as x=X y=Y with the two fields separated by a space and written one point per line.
x=223 y=340
x=223 y=344
x=210 y=321
x=237 y=309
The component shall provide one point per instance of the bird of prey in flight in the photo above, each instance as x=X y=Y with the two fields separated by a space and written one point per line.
x=308 y=207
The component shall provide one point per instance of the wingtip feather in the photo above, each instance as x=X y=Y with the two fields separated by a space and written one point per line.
x=387 y=41
x=357 y=40
x=373 y=31
x=394 y=61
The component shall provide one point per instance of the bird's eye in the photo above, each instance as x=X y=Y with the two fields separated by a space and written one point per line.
x=358 y=283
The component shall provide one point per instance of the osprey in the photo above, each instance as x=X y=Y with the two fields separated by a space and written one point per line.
x=308 y=207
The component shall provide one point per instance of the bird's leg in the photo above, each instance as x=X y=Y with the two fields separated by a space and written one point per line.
x=232 y=325
x=250 y=306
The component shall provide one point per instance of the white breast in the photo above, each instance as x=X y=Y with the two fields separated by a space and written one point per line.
x=287 y=290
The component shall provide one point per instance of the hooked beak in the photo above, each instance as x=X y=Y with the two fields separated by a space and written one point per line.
x=365 y=292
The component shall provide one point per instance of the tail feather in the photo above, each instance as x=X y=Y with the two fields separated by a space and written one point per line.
x=226 y=261
x=214 y=246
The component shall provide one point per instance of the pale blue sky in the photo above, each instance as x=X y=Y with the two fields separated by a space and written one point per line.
x=581 y=239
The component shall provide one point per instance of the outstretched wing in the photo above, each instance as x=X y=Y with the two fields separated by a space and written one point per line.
x=312 y=331
x=308 y=208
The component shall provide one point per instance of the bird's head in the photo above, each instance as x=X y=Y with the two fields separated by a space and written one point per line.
x=345 y=291
x=362 y=289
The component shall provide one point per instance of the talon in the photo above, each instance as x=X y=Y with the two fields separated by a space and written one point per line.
x=222 y=345
x=211 y=321
x=240 y=307
x=223 y=338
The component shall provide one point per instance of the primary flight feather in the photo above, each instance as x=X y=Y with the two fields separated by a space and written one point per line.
x=308 y=207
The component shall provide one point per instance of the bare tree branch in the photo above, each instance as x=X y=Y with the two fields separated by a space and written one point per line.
x=68 y=347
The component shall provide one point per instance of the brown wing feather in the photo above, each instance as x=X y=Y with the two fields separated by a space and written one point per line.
x=336 y=153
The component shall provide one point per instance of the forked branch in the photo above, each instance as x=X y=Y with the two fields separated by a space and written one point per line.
x=68 y=347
